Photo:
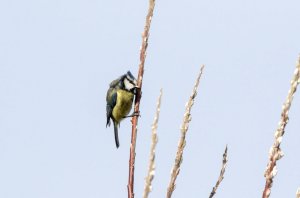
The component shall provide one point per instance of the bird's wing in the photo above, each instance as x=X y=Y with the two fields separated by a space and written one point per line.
x=111 y=100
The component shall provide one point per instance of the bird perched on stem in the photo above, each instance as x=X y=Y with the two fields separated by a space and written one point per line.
x=119 y=99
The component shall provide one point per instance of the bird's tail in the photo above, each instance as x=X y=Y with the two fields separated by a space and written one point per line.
x=116 y=134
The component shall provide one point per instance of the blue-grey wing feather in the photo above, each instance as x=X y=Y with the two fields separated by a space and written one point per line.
x=111 y=100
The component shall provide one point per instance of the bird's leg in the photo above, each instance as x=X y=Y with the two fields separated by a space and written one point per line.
x=133 y=114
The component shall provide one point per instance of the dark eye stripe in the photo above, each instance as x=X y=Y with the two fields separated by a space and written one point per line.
x=130 y=80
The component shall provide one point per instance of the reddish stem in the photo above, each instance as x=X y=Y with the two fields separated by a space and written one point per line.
x=134 y=120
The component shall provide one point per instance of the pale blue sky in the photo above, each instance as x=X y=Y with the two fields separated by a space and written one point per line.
x=57 y=58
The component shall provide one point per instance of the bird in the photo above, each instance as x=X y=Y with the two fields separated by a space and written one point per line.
x=119 y=99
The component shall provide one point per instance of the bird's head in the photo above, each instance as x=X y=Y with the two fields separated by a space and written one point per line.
x=129 y=82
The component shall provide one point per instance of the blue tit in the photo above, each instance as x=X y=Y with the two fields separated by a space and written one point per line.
x=119 y=99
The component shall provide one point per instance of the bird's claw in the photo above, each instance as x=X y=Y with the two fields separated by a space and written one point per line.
x=133 y=114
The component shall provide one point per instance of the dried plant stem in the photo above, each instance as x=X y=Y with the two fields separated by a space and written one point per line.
x=151 y=167
x=221 y=176
x=275 y=152
x=298 y=193
x=134 y=120
x=181 y=144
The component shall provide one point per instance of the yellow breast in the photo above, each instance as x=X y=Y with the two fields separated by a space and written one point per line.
x=123 y=105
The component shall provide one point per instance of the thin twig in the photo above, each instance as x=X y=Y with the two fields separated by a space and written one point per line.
x=151 y=167
x=221 y=176
x=275 y=152
x=184 y=128
x=298 y=193
x=134 y=120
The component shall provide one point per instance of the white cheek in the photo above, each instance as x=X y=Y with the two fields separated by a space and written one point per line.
x=128 y=85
